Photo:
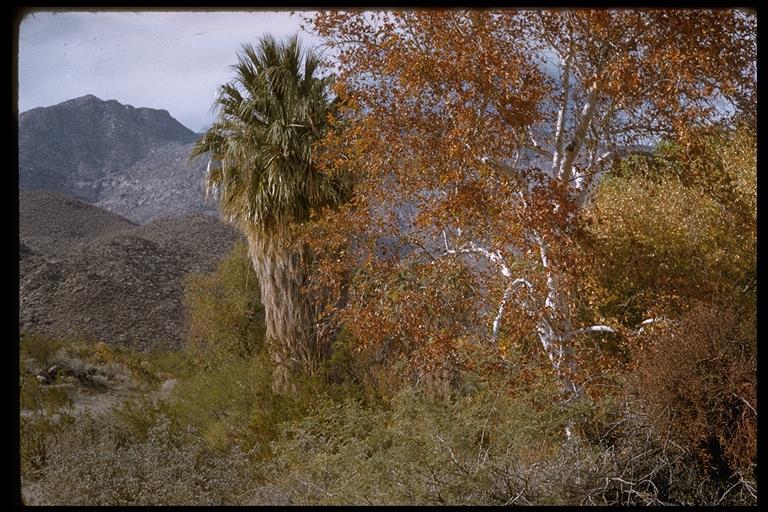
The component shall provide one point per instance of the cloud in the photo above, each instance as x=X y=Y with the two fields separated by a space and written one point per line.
x=170 y=60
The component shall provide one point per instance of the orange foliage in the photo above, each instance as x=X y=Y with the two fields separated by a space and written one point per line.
x=440 y=109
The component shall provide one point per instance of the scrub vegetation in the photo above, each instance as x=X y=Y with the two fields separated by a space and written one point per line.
x=523 y=275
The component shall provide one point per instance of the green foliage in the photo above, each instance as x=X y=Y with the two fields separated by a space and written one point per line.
x=35 y=397
x=720 y=163
x=233 y=403
x=220 y=401
x=261 y=142
x=478 y=449
x=170 y=364
x=224 y=312
x=359 y=372
x=671 y=235
x=39 y=347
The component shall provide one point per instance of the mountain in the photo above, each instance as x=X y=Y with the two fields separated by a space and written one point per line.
x=86 y=272
x=131 y=161
x=50 y=223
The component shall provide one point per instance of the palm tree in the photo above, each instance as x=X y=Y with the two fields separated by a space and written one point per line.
x=261 y=168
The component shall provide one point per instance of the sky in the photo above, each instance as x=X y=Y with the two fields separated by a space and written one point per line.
x=166 y=60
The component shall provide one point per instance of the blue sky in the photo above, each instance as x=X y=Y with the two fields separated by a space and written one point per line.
x=167 y=60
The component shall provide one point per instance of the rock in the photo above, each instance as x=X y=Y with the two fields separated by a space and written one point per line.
x=50 y=223
x=98 y=381
x=167 y=388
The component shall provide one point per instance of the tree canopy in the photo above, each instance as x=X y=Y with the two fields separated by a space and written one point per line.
x=490 y=159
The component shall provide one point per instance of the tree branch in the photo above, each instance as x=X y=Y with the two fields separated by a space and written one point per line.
x=587 y=112
x=538 y=148
x=649 y=321
x=626 y=151
x=594 y=328
x=503 y=304
x=588 y=184
x=745 y=401
x=492 y=256
x=559 y=127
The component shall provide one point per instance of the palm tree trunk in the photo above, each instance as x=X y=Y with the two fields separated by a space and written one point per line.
x=290 y=311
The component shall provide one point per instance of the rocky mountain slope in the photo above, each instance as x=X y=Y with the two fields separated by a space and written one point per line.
x=85 y=272
x=50 y=223
x=131 y=161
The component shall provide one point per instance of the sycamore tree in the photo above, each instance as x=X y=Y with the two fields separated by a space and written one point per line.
x=477 y=140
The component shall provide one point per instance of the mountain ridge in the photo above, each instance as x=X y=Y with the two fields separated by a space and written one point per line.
x=133 y=161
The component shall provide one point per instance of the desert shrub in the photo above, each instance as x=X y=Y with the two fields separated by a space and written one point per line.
x=39 y=347
x=219 y=401
x=45 y=412
x=94 y=462
x=37 y=433
x=145 y=368
x=35 y=397
x=98 y=376
x=499 y=445
x=82 y=361
x=170 y=364
x=149 y=368
x=700 y=384
x=635 y=464
x=137 y=416
x=482 y=448
x=223 y=309
x=234 y=402
x=78 y=363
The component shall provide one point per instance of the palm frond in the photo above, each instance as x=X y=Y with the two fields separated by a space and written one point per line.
x=268 y=118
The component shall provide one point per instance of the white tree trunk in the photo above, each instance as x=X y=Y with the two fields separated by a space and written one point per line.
x=573 y=148
x=561 y=114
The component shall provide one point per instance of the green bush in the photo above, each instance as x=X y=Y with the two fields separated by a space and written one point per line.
x=36 y=398
x=224 y=314
x=171 y=364
x=39 y=347
x=675 y=227
x=477 y=449
x=220 y=401
x=233 y=402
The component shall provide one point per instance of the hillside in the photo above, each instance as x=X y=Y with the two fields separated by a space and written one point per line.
x=50 y=222
x=86 y=272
